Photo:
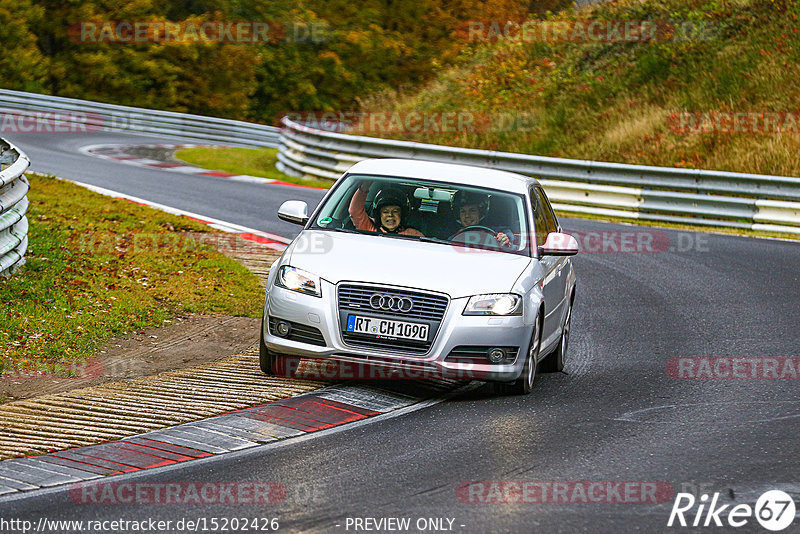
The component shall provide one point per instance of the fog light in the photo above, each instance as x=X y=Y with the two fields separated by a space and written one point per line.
x=282 y=328
x=497 y=355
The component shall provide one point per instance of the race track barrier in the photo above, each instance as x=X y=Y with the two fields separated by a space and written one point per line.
x=664 y=194
x=32 y=112
x=13 y=206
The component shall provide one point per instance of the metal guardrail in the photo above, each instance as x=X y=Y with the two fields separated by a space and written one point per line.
x=686 y=196
x=13 y=206
x=36 y=112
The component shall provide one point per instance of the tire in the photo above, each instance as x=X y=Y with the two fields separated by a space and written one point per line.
x=266 y=358
x=524 y=384
x=554 y=362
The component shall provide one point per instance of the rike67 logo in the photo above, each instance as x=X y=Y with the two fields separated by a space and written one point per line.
x=774 y=510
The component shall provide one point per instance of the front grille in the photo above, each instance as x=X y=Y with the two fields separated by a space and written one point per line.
x=476 y=354
x=427 y=307
x=299 y=332
x=405 y=345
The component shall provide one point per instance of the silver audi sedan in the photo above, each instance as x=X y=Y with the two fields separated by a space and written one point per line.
x=415 y=269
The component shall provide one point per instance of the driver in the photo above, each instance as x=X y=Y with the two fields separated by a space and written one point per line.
x=470 y=209
x=390 y=207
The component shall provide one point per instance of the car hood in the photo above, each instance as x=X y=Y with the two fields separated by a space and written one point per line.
x=457 y=271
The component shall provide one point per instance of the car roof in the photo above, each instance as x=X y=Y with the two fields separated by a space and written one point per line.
x=445 y=172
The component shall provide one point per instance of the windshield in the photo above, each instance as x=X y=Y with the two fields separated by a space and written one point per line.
x=429 y=210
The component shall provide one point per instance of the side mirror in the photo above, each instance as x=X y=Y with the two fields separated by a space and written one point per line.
x=294 y=211
x=559 y=244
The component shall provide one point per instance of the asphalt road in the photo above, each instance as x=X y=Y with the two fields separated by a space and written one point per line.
x=250 y=205
x=615 y=415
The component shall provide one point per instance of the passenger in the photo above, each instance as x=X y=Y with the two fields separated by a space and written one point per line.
x=470 y=209
x=390 y=206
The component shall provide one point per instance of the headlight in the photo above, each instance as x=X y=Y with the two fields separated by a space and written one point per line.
x=298 y=280
x=494 y=304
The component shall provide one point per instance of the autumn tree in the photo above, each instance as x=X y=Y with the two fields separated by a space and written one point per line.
x=22 y=65
x=321 y=55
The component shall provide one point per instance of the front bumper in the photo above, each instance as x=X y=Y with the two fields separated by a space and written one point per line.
x=455 y=330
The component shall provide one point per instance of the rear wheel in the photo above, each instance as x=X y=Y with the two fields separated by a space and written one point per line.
x=554 y=362
x=524 y=384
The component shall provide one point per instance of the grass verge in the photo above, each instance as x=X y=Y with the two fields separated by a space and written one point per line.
x=250 y=161
x=99 y=267
x=720 y=97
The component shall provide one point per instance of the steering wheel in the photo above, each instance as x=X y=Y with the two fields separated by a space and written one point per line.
x=474 y=228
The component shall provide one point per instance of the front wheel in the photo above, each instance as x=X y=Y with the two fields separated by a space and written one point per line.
x=524 y=384
x=266 y=359
x=554 y=362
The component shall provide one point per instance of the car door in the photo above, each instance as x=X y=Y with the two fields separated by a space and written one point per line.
x=563 y=262
x=550 y=284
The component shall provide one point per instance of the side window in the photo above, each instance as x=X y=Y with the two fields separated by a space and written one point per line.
x=539 y=221
x=549 y=214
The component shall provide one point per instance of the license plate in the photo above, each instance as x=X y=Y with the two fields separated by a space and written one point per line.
x=387 y=328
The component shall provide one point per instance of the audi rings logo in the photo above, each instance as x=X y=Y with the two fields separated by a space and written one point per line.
x=380 y=301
